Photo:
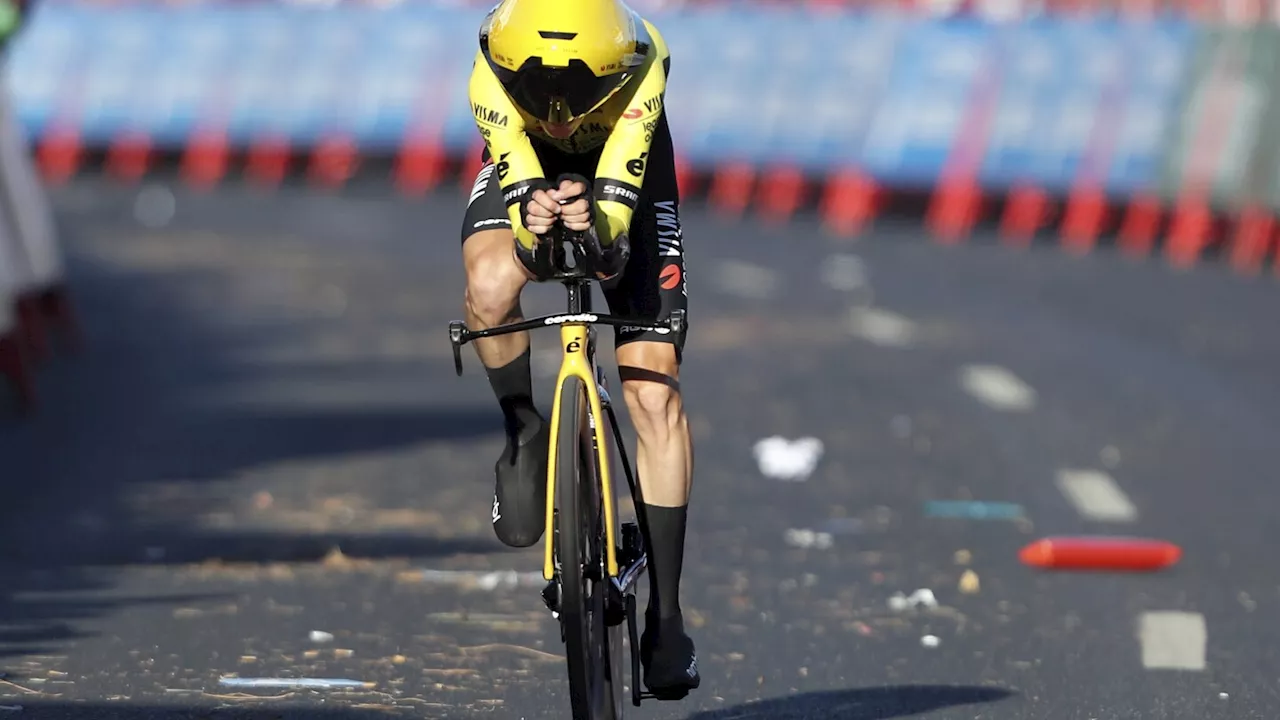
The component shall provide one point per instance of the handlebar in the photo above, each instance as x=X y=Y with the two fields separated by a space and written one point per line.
x=460 y=334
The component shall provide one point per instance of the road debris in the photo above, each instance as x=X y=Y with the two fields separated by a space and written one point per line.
x=963 y=557
x=969 y=583
x=518 y=649
x=997 y=388
x=308 y=683
x=881 y=327
x=923 y=596
x=320 y=636
x=788 y=460
x=930 y=641
x=808 y=539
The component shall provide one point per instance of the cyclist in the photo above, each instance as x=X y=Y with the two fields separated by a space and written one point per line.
x=573 y=90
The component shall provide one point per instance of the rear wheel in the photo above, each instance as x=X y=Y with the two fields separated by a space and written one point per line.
x=583 y=582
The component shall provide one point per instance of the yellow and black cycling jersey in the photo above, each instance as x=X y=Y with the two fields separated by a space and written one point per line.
x=621 y=129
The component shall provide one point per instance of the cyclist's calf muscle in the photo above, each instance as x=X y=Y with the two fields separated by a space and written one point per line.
x=495 y=280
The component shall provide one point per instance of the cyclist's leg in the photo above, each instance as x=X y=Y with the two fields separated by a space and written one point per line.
x=651 y=286
x=495 y=280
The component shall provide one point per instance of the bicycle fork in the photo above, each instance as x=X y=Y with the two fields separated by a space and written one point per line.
x=632 y=559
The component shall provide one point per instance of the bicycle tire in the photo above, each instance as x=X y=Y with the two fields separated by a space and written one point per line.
x=581 y=596
x=614 y=667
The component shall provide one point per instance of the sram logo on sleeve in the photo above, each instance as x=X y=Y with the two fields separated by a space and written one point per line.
x=611 y=189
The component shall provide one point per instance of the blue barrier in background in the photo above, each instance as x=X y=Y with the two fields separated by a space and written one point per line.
x=881 y=92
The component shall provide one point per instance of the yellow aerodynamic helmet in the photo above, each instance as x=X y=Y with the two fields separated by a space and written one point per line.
x=561 y=59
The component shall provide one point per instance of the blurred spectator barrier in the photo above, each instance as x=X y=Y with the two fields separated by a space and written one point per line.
x=1117 y=119
x=33 y=288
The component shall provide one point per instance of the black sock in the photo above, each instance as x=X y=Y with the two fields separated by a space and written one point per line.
x=666 y=557
x=513 y=384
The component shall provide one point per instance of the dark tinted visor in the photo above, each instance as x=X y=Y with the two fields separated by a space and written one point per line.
x=555 y=94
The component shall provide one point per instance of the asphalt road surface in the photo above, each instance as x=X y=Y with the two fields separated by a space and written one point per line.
x=266 y=439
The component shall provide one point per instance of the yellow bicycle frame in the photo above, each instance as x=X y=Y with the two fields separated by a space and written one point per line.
x=573 y=338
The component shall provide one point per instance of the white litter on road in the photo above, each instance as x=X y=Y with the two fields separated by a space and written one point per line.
x=320 y=636
x=882 y=327
x=930 y=641
x=1096 y=496
x=997 y=388
x=788 y=460
x=922 y=596
x=808 y=539
x=1173 y=640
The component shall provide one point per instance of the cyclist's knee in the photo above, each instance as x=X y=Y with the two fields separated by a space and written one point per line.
x=494 y=281
x=651 y=402
x=651 y=386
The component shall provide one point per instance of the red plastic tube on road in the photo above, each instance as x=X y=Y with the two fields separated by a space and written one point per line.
x=1100 y=553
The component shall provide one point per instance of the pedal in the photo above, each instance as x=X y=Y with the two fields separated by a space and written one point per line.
x=551 y=598
x=632 y=542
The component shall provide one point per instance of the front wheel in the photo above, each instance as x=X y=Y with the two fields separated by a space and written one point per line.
x=583 y=581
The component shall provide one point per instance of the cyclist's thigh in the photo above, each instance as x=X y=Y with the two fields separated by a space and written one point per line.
x=653 y=283
x=487 y=239
x=485 y=209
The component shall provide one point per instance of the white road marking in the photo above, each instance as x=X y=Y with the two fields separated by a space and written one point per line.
x=1172 y=640
x=882 y=327
x=735 y=277
x=1096 y=496
x=997 y=388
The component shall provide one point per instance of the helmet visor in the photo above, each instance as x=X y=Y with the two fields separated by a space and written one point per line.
x=558 y=94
